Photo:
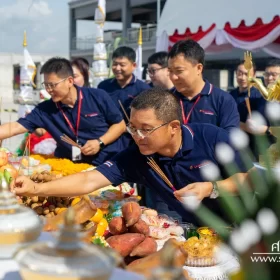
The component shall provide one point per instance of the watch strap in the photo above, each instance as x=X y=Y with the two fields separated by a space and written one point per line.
x=215 y=192
x=101 y=143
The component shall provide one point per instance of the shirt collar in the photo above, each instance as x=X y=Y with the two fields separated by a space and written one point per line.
x=65 y=106
x=207 y=90
x=132 y=81
x=187 y=135
x=187 y=143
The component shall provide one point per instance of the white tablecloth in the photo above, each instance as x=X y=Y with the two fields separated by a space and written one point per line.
x=9 y=268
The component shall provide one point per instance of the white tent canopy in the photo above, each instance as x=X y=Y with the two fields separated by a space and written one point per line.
x=182 y=14
x=212 y=17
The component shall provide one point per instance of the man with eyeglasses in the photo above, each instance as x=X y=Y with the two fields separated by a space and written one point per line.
x=257 y=103
x=158 y=70
x=87 y=116
x=272 y=72
x=181 y=151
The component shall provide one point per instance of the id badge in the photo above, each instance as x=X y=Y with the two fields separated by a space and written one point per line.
x=76 y=153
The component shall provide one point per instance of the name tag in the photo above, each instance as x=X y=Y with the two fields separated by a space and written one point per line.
x=76 y=153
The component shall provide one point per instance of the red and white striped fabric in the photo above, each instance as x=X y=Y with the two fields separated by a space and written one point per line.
x=218 y=27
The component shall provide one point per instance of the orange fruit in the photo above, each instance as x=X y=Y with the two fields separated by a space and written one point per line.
x=100 y=230
x=97 y=217
x=75 y=201
x=103 y=223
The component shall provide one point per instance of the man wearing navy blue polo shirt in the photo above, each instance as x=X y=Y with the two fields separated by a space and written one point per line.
x=257 y=103
x=200 y=100
x=181 y=151
x=124 y=86
x=87 y=116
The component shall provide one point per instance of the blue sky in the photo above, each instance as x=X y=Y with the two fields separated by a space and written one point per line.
x=46 y=23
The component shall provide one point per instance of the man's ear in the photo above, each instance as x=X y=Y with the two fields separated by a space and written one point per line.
x=71 y=80
x=175 y=126
x=134 y=64
x=199 y=68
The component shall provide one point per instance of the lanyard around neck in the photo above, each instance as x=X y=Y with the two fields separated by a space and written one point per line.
x=75 y=131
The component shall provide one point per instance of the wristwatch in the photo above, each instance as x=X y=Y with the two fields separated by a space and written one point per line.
x=215 y=192
x=101 y=144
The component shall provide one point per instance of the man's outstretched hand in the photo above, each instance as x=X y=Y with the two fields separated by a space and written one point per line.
x=23 y=186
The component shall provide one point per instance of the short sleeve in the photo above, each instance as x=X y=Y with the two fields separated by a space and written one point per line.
x=108 y=108
x=229 y=115
x=121 y=168
x=33 y=120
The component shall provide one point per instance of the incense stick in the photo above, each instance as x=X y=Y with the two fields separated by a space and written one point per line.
x=124 y=110
x=156 y=168
x=69 y=141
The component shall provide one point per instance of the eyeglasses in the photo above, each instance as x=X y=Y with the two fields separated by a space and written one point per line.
x=143 y=132
x=152 y=72
x=52 y=86
x=268 y=74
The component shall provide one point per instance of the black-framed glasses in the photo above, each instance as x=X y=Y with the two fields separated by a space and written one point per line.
x=152 y=72
x=143 y=132
x=51 y=86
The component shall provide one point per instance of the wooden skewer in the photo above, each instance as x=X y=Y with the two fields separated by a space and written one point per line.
x=248 y=107
x=124 y=110
x=156 y=168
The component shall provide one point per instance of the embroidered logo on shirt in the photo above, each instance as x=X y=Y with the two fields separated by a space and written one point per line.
x=91 y=115
x=108 y=163
x=200 y=165
x=207 y=112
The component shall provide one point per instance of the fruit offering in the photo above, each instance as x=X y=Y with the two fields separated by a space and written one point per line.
x=46 y=206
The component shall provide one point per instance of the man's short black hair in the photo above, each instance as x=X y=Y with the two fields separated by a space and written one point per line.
x=273 y=63
x=190 y=49
x=160 y=58
x=242 y=63
x=58 y=65
x=166 y=105
x=127 y=52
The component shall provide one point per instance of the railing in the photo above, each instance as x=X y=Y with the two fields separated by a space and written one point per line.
x=86 y=43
